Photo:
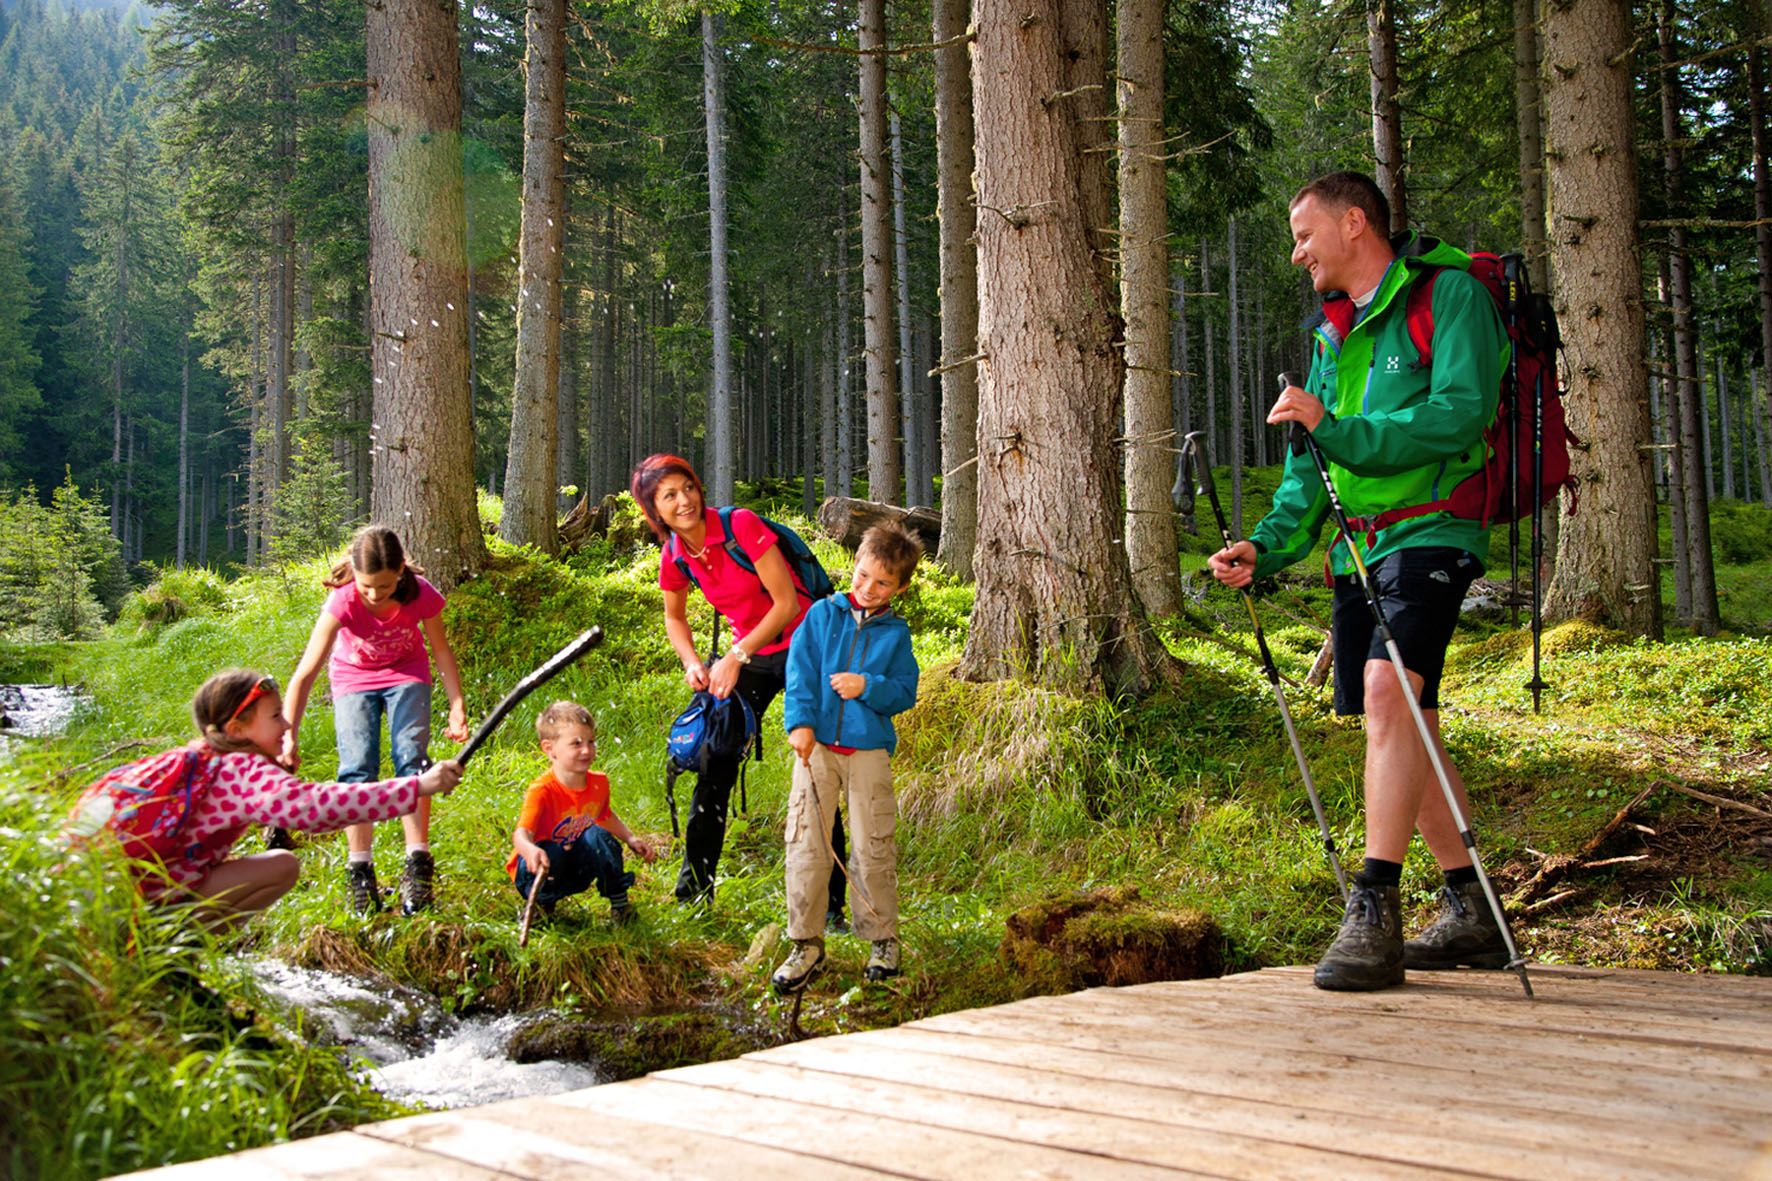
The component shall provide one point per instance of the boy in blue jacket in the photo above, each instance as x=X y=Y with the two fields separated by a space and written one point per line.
x=850 y=668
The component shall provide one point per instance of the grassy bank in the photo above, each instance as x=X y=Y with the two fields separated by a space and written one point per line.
x=1009 y=794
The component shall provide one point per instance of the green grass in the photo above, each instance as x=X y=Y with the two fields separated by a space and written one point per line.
x=1009 y=794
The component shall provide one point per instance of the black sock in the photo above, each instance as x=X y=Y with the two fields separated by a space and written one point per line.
x=1382 y=873
x=1463 y=876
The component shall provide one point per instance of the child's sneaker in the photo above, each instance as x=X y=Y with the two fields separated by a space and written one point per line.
x=882 y=960
x=802 y=964
x=362 y=888
x=623 y=913
x=415 y=882
x=278 y=838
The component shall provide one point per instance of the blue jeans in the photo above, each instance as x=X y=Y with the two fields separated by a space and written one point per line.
x=594 y=859
x=357 y=717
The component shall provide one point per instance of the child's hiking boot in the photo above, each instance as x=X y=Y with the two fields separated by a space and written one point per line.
x=416 y=882
x=1368 y=950
x=804 y=962
x=882 y=960
x=278 y=838
x=1465 y=933
x=835 y=923
x=362 y=888
x=622 y=913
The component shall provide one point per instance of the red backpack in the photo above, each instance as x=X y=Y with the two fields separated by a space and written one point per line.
x=1529 y=439
x=147 y=804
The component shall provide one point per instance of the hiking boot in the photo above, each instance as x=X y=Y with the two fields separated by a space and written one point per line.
x=415 y=882
x=835 y=923
x=802 y=964
x=278 y=838
x=1368 y=950
x=882 y=960
x=1465 y=933
x=361 y=887
x=622 y=913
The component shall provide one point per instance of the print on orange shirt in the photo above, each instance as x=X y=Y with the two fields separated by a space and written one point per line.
x=554 y=812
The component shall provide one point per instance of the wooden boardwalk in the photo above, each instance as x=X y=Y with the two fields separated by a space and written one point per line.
x=1605 y=1074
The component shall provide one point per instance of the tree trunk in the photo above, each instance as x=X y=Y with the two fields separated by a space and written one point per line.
x=1605 y=569
x=1725 y=424
x=1214 y=440
x=1387 y=111
x=1054 y=599
x=280 y=340
x=424 y=441
x=1756 y=91
x=1528 y=113
x=567 y=459
x=957 y=215
x=876 y=261
x=722 y=426
x=531 y=475
x=1233 y=451
x=184 y=445
x=1689 y=385
x=907 y=382
x=1144 y=306
x=827 y=389
x=845 y=373
x=1181 y=394
x=844 y=520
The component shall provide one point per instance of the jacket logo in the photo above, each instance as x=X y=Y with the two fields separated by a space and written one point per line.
x=1392 y=364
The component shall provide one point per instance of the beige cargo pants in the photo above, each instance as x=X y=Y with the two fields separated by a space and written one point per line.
x=865 y=779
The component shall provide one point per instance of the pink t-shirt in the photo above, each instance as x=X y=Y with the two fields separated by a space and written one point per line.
x=735 y=592
x=371 y=653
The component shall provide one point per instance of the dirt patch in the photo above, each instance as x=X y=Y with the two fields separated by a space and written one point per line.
x=1109 y=937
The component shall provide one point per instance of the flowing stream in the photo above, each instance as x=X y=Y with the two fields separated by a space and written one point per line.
x=37 y=711
x=413 y=1050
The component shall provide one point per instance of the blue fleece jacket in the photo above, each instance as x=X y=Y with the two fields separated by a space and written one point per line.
x=829 y=640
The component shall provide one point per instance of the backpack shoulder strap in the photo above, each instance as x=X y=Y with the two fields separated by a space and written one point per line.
x=735 y=550
x=1418 y=316
x=674 y=550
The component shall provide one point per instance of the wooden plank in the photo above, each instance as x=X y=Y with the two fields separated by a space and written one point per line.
x=342 y=1154
x=1441 y=1105
x=1583 y=1104
x=826 y=1134
x=543 y=1139
x=1551 y=1063
x=1226 y=1136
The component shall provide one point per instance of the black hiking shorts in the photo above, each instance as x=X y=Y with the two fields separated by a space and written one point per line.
x=1421 y=591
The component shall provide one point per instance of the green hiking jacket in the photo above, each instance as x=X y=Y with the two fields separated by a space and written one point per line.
x=1395 y=435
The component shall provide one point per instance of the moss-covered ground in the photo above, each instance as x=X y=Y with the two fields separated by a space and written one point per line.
x=1011 y=796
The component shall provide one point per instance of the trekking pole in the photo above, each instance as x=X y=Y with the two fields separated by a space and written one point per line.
x=1303 y=442
x=1194 y=450
x=1520 y=296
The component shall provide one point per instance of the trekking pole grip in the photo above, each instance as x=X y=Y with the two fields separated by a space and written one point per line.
x=1296 y=437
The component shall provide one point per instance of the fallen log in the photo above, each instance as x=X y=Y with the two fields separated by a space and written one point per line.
x=844 y=519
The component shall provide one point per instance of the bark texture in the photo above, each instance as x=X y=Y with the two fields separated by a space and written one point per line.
x=722 y=422
x=1387 y=109
x=876 y=262
x=957 y=214
x=423 y=467
x=531 y=475
x=1756 y=89
x=1528 y=113
x=1605 y=569
x=1054 y=600
x=1144 y=304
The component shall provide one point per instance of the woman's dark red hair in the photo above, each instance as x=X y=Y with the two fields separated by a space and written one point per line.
x=645 y=481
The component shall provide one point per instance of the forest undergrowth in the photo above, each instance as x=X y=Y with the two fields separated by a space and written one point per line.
x=1629 y=822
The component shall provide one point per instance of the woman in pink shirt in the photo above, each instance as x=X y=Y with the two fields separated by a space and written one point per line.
x=373 y=627
x=765 y=606
x=227 y=782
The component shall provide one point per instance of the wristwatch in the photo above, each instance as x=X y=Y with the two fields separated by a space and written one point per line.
x=739 y=654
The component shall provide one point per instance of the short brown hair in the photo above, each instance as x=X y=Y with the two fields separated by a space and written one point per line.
x=1350 y=190
x=560 y=715
x=894 y=547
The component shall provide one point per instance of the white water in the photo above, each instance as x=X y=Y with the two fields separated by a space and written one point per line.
x=37 y=711
x=413 y=1051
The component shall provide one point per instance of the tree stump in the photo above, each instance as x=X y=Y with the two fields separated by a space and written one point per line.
x=844 y=519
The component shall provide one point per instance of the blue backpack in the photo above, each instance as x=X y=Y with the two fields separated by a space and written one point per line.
x=710 y=728
x=800 y=558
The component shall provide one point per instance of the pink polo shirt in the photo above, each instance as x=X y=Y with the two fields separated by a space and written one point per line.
x=735 y=592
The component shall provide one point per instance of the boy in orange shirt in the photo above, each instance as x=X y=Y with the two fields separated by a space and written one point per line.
x=566 y=826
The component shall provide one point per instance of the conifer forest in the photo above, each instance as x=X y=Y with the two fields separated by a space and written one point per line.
x=270 y=269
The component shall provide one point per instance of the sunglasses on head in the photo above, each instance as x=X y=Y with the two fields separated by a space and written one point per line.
x=264 y=685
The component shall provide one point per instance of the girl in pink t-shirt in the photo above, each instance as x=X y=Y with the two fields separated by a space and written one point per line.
x=373 y=627
x=232 y=782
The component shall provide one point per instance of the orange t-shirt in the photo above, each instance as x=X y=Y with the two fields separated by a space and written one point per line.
x=554 y=812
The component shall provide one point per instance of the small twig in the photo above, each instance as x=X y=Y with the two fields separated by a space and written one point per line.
x=109 y=755
x=974 y=359
x=1615 y=861
x=529 y=906
x=1544 y=904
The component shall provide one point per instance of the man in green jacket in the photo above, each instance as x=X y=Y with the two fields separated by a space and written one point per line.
x=1396 y=435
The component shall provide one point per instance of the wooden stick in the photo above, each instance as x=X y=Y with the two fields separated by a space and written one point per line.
x=1555 y=867
x=1720 y=801
x=529 y=907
